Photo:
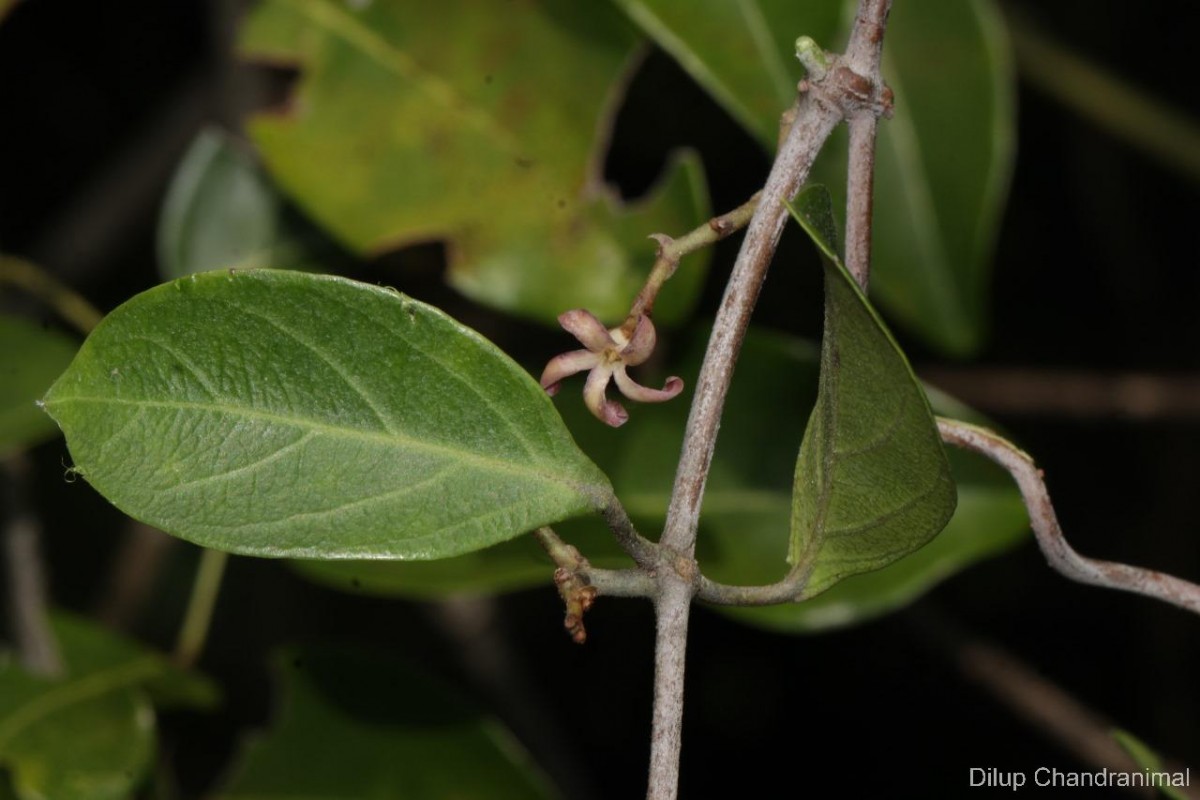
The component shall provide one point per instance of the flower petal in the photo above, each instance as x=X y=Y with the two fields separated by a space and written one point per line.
x=586 y=328
x=641 y=342
x=564 y=365
x=635 y=391
x=606 y=411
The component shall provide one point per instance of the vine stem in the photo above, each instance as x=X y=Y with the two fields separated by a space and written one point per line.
x=1044 y=521
x=67 y=303
x=860 y=183
x=817 y=113
x=672 y=250
x=37 y=647
x=198 y=617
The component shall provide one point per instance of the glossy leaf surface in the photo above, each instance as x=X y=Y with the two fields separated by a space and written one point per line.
x=490 y=135
x=872 y=481
x=89 y=735
x=279 y=413
x=30 y=359
x=943 y=160
x=355 y=726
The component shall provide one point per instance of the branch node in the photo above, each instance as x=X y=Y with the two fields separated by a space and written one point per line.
x=664 y=241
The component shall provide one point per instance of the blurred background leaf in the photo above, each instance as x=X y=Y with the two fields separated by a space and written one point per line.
x=90 y=734
x=223 y=211
x=943 y=160
x=356 y=725
x=474 y=138
x=31 y=357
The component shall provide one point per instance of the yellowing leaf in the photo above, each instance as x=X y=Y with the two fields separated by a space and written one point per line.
x=480 y=123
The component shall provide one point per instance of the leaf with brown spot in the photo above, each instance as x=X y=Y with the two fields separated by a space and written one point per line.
x=478 y=124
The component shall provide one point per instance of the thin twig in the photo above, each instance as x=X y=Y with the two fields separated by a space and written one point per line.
x=672 y=250
x=671 y=608
x=782 y=591
x=1126 y=111
x=579 y=583
x=27 y=595
x=818 y=112
x=816 y=119
x=1046 y=706
x=66 y=302
x=1071 y=393
x=1042 y=518
x=198 y=617
x=863 y=57
x=135 y=569
x=91 y=224
x=860 y=180
x=611 y=582
x=643 y=551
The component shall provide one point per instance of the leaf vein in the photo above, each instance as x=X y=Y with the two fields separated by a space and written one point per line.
x=186 y=362
x=886 y=516
x=376 y=437
x=384 y=419
x=498 y=409
x=244 y=468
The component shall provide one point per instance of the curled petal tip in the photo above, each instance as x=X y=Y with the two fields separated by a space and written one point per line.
x=644 y=394
x=584 y=326
x=613 y=414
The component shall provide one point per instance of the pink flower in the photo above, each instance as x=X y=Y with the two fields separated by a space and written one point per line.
x=607 y=355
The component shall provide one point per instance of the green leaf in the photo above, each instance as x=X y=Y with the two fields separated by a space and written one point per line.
x=744 y=525
x=89 y=735
x=30 y=359
x=987 y=521
x=489 y=135
x=943 y=160
x=99 y=748
x=872 y=480
x=356 y=726
x=943 y=166
x=219 y=211
x=1150 y=761
x=742 y=53
x=278 y=413
x=744 y=530
x=747 y=507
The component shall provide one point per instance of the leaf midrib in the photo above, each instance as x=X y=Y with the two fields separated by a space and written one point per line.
x=375 y=437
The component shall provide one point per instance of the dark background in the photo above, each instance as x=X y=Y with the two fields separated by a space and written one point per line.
x=1096 y=270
